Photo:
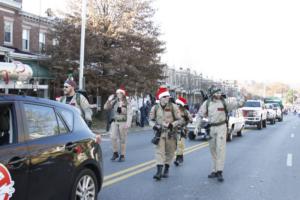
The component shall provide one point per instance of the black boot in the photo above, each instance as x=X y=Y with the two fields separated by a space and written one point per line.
x=176 y=162
x=213 y=175
x=157 y=176
x=115 y=156
x=122 y=158
x=220 y=176
x=166 y=171
x=181 y=159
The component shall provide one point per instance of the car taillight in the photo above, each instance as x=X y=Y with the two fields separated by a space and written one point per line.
x=98 y=139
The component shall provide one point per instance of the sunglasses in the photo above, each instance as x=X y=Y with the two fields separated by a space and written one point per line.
x=165 y=97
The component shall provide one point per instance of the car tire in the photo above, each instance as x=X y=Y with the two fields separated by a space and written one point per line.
x=85 y=178
x=191 y=135
x=239 y=133
x=229 y=134
x=259 y=125
x=264 y=123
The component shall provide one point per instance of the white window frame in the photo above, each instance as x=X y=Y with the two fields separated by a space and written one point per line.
x=11 y=31
x=28 y=39
x=42 y=40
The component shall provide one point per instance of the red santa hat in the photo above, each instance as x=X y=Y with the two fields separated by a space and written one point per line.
x=122 y=90
x=162 y=92
x=181 y=101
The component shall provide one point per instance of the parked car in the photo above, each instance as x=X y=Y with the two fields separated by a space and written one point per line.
x=255 y=113
x=279 y=114
x=236 y=124
x=271 y=113
x=202 y=129
x=47 y=151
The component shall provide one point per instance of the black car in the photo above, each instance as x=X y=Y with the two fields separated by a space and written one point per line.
x=47 y=151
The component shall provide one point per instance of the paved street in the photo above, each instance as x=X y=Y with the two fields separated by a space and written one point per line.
x=263 y=164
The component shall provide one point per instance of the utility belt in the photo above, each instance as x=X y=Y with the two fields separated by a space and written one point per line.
x=218 y=123
x=117 y=120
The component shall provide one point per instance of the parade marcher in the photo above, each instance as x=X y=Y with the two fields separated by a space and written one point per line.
x=165 y=117
x=120 y=122
x=216 y=109
x=78 y=100
x=182 y=131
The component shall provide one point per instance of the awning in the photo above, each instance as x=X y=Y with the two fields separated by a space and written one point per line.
x=38 y=70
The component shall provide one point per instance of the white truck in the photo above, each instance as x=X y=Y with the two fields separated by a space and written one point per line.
x=255 y=113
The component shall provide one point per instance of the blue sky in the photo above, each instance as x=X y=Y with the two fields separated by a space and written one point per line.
x=232 y=39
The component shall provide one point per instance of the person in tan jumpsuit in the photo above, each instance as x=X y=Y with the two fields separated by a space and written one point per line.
x=165 y=115
x=120 y=122
x=182 y=131
x=215 y=112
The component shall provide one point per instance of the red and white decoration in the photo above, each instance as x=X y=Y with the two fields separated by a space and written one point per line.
x=162 y=92
x=6 y=184
x=122 y=90
x=16 y=71
x=181 y=101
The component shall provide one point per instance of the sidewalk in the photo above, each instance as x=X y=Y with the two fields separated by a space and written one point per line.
x=99 y=127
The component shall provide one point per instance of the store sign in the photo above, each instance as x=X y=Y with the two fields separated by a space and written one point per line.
x=15 y=71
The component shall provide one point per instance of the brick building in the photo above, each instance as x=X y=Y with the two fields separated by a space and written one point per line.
x=23 y=38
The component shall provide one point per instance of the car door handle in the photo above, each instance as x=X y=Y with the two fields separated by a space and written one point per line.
x=16 y=162
x=70 y=146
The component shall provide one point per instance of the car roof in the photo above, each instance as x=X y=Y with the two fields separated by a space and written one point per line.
x=11 y=97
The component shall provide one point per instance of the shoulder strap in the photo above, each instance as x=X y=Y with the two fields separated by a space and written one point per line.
x=78 y=99
x=172 y=107
x=225 y=106
x=62 y=99
x=207 y=104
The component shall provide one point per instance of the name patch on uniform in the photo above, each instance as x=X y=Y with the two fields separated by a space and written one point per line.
x=167 y=109
x=221 y=109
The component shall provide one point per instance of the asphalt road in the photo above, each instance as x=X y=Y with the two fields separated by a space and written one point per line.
x=261 y=165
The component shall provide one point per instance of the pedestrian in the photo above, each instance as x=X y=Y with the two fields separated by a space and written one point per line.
x=121 y=119
x=78 y=100
x=216 y=109
x=182 y=131
x=165 y=117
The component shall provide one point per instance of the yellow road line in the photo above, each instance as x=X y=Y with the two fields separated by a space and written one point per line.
x=143 y=167
x=140 y=165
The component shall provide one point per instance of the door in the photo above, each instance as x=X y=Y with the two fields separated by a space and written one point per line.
x=51 y=158
x=14 y=159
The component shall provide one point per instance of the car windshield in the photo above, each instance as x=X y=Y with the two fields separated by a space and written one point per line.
x=252 y=104
x=275 y=105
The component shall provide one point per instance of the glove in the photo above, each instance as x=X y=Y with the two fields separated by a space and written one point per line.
x=186 y=118
x=157 y=127
x=89 y=124
x=170 y=126
x=111 y=97
x=119 y=110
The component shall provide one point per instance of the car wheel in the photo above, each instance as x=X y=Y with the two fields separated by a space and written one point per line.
x=239 y=133
x=230 y=134
x=85 y=186
x=259 y=125
x=192 y=136
x=264 y=123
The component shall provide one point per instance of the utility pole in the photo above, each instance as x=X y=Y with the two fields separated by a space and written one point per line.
x=82 y=43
